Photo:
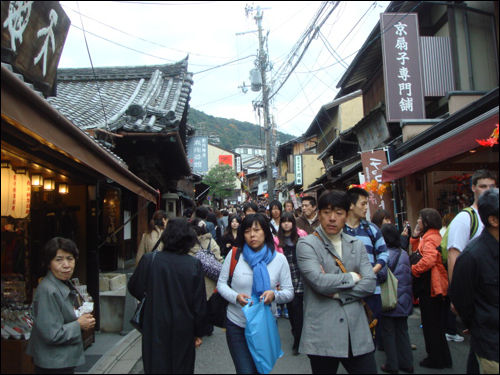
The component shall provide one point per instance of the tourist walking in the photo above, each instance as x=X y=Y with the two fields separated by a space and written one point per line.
x=149 y=239
x=308 y=220
x=176 y=305
x=394 y=324
x=258 y=272
x=335 y=327
x=229 y=240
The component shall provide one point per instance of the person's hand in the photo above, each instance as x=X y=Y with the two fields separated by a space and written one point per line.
x=453 y=310
x=87 y=321
x=405 y=232
x=359 y=275
x=197 y=342
x=268 y=296
x=242 y=299
x=417 y=231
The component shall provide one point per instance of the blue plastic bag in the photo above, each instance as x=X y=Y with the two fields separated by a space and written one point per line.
x=262 y=335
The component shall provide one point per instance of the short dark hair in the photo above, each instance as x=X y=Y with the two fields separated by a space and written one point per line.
x=312 y=200
x=58 y=243
x=201 y=212
x=178 y=237
x=430 y=219
x=334 y=199
x=290 y=202
x=391 y=235
x=356 y=192
x=483 y=173
x=248 y=222
x=251 y=205
x=487 y=205
x=277 y=204
x=379 y=216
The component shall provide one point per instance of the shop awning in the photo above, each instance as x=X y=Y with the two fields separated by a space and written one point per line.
x=453 y=143
x=34 y=116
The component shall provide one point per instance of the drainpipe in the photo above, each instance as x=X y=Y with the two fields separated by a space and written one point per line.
x=469 y=55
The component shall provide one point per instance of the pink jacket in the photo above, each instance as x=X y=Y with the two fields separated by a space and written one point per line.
x=300 y=232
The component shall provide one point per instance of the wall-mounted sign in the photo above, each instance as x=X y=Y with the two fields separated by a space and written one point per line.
x=198 y=154
x=226 y=159
x=298 y=170
x=404 y=94
x=238 y=163
x=33 y=35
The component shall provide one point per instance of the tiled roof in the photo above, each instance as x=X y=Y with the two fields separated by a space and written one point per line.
x=136 y=98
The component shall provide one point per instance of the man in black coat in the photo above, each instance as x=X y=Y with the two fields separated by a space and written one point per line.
x=474 y=288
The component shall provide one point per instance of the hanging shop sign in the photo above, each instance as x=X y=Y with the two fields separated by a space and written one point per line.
x=380 y=196
x=16 y=192
x=298 y=170
x=198 y=154
x=404 y=94
x=33 y=36
x=238 y=164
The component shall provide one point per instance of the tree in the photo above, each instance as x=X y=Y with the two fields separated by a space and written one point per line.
x=221 y=181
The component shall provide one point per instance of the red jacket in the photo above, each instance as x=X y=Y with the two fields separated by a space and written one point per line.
x=431 y=260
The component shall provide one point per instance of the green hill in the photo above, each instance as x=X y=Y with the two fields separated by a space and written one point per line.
x=231 y=133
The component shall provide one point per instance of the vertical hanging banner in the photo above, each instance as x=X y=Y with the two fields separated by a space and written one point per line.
x=198 y=154
x=404 y=94
x=373 y=162
x=298 y=170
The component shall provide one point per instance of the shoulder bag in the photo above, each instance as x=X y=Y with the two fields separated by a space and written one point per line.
x=211 y=266
x=138 y=317
x=423 y=282
x=369 y=314
x=389 y=289
x=217 y=305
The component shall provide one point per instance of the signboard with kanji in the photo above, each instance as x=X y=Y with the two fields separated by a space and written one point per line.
x=198 y=154
x=373 y=162
x=404 y=94
x=33 y=36
x=298 y=170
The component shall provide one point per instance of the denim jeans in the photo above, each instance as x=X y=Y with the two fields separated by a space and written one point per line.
x=238 y=347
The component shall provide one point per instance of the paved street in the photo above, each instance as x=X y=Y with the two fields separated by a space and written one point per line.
x=213 y=357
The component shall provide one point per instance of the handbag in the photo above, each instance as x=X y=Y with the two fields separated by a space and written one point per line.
x=389 y=289
x=422 y=283
x=262 y=336
x=211 y=266
x=138 y=317
x=216 y=304
x=369 y=313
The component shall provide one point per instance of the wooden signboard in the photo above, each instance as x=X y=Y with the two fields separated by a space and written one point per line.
x=33 y=36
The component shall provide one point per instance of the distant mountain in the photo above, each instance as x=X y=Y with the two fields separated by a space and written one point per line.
x=230 y=133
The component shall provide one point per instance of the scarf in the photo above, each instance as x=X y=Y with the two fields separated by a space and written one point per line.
x=259 y=261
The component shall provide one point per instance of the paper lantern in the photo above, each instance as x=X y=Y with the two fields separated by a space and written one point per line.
x=22 y=198
x=7 y=188
x=63 y=188
x=36 y=180
x=49 y=184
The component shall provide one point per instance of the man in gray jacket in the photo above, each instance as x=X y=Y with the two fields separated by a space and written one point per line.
x=335 y=324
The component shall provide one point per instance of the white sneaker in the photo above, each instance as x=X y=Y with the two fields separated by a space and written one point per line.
x=456 y=338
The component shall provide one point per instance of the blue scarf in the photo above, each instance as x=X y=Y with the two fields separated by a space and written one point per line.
x=259 y=261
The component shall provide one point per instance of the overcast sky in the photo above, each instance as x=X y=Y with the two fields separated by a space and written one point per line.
x=166 y=33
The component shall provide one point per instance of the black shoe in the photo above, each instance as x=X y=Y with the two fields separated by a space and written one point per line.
x=295 y=351
x=409 y=370
x=385 y=369
x=427 y=364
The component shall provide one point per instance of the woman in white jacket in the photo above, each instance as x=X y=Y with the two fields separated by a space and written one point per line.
x=258 y=272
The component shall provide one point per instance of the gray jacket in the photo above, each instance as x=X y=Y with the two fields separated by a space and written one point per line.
x=328 y=322
x=56 y=338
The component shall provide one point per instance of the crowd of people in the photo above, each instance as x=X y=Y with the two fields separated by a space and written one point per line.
x=323 y=267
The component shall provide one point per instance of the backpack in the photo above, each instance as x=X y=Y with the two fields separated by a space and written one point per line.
x=474 y=225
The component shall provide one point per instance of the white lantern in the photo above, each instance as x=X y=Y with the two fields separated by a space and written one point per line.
x=7 y=189
x=22 y=202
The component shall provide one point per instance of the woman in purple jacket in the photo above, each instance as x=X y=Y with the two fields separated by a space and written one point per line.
x=395 y=322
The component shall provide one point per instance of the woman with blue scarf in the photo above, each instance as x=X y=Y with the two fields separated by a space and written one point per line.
x=257 y=274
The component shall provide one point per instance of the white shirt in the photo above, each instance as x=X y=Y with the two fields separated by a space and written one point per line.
x=279 y=272
x=459 y=233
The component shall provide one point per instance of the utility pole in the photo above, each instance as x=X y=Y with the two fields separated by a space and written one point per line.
x=263 y=60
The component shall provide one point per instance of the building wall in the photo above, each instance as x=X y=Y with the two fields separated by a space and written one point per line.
x=312 y=169
x=350 y=113
x=327 y=133
x=213 y=160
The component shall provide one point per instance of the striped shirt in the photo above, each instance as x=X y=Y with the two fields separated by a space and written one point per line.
x=379 y=255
